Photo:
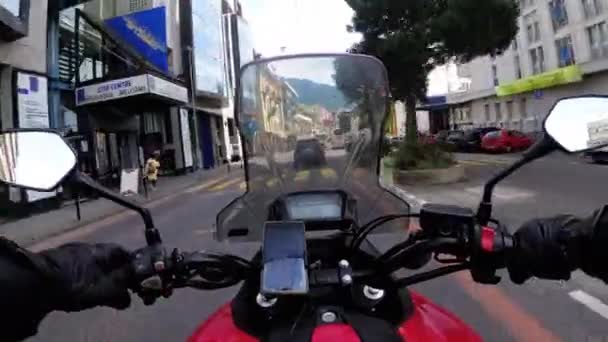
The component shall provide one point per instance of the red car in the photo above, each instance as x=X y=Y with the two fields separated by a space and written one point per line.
x=505 y=141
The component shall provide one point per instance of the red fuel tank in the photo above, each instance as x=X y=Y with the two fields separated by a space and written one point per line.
x=429 y=322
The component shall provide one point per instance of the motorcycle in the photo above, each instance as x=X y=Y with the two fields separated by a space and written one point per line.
x=317 y=276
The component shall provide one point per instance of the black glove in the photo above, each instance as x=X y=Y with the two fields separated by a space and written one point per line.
x=543 y=248
x=86 y=276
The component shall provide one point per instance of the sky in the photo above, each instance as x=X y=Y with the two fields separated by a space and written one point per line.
x=299 y=26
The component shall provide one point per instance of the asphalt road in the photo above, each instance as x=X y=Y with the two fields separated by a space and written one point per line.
x=537 y=311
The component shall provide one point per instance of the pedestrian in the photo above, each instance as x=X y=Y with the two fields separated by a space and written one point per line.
x=151 y=169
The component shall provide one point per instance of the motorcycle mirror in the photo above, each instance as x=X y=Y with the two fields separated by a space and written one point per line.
x=35 y=159
x=579 y=123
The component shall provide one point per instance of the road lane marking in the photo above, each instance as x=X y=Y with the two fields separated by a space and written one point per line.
x=205 y=231
x=302 y=176
x=328 y=173
x=520 y=324
x=590 y=302
x=206 y=185
x=226 y=184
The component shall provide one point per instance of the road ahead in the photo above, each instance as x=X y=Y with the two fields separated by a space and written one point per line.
x=538 y=311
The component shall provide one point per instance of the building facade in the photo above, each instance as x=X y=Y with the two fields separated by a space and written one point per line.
x=121 y=79
x=561 y=50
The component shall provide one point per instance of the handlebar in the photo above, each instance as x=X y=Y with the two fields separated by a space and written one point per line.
x=483 y=250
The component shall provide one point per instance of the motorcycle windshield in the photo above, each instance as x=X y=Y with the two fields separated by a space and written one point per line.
x=313 y=123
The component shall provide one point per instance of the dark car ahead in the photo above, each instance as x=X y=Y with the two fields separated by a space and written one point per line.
x=309 y=153
x=442 y=136
x=470 y=141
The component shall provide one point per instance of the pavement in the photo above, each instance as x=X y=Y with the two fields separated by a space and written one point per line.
x=537 y=311
x=27 y=231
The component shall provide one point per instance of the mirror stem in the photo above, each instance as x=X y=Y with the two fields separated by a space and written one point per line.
x=152 y=234
x=544 y=146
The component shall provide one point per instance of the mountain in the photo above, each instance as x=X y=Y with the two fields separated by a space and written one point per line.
x=312 y=93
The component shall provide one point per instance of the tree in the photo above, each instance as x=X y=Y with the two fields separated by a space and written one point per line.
x=363 y=82
x=412 y=37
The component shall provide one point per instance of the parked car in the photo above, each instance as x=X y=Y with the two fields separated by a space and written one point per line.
x=397 y=140
x=599 y=156
x=505 y=141
x=309 y=154
x=442 y=136
x=470 y=141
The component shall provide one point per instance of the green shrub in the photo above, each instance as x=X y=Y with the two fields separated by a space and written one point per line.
x=422 y=156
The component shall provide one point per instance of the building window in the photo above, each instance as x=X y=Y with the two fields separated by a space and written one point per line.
x=532 y=27
x=495 y=74
x=487 y=112
x=559 y=14
x=231 y=130
x=509 y=110
x=498 y=112
x=598 y=40
x=515 y=45
x=523 y=108
x=565 y=51
x=138 y=5
x=593 y=8
x=537 y=58
x=518 y=73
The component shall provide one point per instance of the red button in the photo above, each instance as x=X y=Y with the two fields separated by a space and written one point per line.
x=487 y=239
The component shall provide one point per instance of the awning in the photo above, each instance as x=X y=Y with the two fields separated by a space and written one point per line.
x=548 y=79
x=128 y=87
x=434 y=103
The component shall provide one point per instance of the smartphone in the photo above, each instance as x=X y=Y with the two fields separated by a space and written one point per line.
x=284 y=257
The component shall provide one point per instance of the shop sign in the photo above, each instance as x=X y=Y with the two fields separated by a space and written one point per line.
x=167 y=89
x=112 y=90
x=548 y=79
x=146 y=32
x=130 y=86
x=33 y=112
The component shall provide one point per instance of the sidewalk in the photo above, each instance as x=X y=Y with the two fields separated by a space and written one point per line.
x=31 y=229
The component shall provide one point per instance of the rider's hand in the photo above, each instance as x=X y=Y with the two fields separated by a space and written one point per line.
x=86 y=276
x=541 y=250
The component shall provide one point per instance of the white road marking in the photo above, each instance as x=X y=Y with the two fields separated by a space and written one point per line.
x=503 y=193
x=590 y=302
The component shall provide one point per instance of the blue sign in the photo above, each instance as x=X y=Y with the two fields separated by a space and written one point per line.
x=146 y=32
x=538 y=94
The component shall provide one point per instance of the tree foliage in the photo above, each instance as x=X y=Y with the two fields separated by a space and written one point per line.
x=412 y=37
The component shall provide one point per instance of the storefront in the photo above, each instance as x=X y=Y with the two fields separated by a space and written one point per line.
x=127 y=120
